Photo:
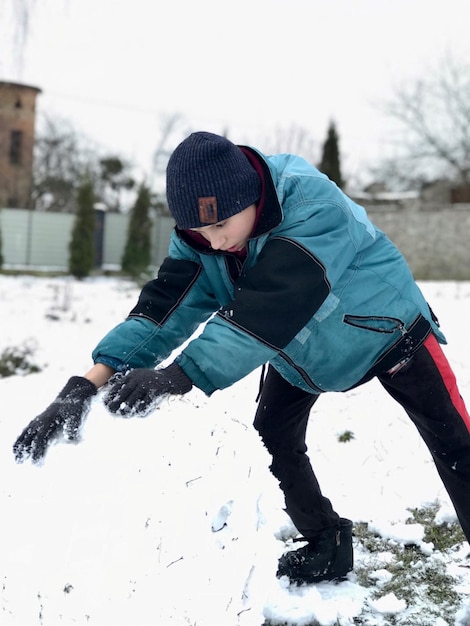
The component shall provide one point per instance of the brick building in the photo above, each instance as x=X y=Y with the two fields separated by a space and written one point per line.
x=17 y=127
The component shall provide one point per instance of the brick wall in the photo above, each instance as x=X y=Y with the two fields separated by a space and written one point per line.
x=17 y=122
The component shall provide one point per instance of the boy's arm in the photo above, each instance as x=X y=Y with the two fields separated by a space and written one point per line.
x=99 y=374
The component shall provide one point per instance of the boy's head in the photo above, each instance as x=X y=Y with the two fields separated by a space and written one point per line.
x=208 y=180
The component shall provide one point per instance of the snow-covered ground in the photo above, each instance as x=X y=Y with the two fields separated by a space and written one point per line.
x=175 y=519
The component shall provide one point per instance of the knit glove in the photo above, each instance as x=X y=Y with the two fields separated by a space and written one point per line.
x=139 y=391
x=63 y=417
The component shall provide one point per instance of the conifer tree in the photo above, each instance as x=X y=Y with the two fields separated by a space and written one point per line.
x=82 y=244
x=330 y=161
x=137 y=253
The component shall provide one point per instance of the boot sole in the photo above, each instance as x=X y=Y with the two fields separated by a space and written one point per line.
x=320 y=579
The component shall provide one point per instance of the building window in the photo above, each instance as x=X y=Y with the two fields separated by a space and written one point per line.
x=16 y=140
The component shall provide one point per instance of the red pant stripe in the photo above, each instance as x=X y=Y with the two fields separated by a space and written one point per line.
x=448 y=377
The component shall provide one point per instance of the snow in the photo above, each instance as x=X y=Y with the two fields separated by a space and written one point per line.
x=175 y=518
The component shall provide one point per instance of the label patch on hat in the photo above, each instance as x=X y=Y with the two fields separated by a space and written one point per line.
x=208 y=210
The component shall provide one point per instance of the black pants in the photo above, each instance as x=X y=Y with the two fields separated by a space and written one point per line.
x=425 y=387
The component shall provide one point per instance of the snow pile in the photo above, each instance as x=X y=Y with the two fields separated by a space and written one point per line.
x=176 y=519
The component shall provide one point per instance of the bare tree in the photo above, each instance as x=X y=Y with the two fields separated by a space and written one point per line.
x=17 y=15
x=434 y=113
x=64 y=158
x=294 y=139
x=173 y=129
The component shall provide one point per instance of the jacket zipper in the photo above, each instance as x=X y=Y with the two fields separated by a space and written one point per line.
x=359 y=321
x=301 y=372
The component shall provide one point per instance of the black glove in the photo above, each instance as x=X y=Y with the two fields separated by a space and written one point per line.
x=63 y=417
x=138 y=391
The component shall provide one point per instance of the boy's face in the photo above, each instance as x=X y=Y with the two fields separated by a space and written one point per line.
x=232 y=234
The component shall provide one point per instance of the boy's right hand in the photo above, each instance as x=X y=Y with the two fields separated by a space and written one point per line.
x=63 y=417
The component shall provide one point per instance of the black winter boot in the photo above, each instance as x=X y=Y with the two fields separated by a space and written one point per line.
x=328 y=556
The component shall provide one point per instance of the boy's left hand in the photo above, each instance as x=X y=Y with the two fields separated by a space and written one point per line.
x=137 y=392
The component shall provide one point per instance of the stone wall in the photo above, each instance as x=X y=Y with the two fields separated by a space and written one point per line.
x=434 y=240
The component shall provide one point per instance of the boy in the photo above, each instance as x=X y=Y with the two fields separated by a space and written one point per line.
x=299 y=278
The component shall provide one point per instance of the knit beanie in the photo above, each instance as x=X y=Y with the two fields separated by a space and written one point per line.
x=209 y=179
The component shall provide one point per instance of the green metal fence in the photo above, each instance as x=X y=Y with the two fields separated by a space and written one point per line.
x=40 y=240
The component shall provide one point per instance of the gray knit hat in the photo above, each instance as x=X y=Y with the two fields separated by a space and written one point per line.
x=209 y=179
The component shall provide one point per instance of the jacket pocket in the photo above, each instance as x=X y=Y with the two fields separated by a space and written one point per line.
x=375 y=323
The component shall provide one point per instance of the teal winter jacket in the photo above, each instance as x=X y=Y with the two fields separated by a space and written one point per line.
x=323 y=295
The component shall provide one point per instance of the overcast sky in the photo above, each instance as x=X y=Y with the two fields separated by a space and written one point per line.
x=115 y=68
